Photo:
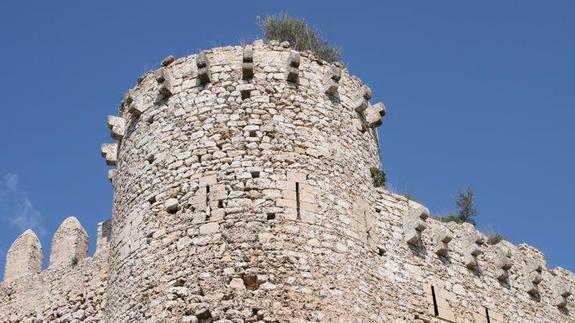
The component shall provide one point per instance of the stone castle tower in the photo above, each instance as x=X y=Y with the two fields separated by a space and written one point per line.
x=243 y=193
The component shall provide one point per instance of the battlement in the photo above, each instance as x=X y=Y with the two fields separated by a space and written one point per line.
x=69 y=249
x=461 y=264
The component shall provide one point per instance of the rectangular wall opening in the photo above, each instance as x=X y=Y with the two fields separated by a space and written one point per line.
x=487 y=315
x=207 y=202
x=297 y=200
x=435 y=307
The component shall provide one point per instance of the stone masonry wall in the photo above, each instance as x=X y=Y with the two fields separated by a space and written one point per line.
x=242 y=193
x=71 y=289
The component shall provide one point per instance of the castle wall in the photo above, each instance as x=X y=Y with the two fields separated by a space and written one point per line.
x=65 y=292
x=243 y=193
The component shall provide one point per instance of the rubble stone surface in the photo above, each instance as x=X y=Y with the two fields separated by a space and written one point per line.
x=246 y=196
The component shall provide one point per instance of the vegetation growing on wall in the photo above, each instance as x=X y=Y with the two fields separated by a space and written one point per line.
x=466 y=209
x=299 y=34
x=378 y=176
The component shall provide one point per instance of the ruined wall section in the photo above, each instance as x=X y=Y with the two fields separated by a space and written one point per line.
x=71 y=289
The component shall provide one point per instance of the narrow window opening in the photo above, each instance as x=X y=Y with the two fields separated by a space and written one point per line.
x=255 y=174
x=380 y=251
x=252 y=133
x=246 y=94
x=152 y=199
x=297 y=200
x=435 y=308
x=220 y=204
x=271 y=216
x=487 y=315
x=207 y=201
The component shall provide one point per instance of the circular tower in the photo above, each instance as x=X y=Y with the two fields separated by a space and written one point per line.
x=242 y=191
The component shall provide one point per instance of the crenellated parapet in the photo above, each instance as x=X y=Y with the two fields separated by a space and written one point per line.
x=71 y=289
x=477 y=279
x=69 y=249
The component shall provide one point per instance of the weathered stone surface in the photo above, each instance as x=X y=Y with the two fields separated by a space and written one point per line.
x=24 y=256
x=69 y=244
x=277 y=219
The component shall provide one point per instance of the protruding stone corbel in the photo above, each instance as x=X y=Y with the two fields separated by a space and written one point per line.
x=168 y=60
x=165 y=82
x=366 y=92
x=503 y=263
x=330 y=84
x=118 y=126
x=441 y=239
x=374 y=113
x=203 y=68
x=293 y=67
x=472 y=250
x=561 y=293
x=248 y=63
x=135 y=107
x=24 y=256
x=112 y=174
x=360 y=105
x=110 y=153
x=533 y=278
x=69 y=244
x=415 y=224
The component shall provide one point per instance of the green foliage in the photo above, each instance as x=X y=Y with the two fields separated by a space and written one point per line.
x=465 y=206
x=299 y=34
x=465 y=209
x=495 y=238
x=378 y=176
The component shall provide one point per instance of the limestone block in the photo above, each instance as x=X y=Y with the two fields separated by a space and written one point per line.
x=293 y=67
x=203 y=65
x=166 y=89
x=112 y=174
x=110 y=153
x=532 y=280
x=248 y=62
x=209 y=228
x=168 y=60
x=208 y=180
x=379 y=108
x=24 y=256
x=172 y=205
x=417 y=210
x=366 y=92
x=470 y=261
x=373 y=119
x=245 y=89
x=160 y=75
x=412 y=230
x=136 y=108
x=330 y=87
x=501 y=274
x=69 y=244
x=118 y=126
x=217 y=192
x=360 y=105
x=441 y=238
x=335 y=73
x=104 y=235
x=295 y=176
x=561 y=294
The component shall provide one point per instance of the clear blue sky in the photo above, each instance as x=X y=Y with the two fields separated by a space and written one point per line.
x=479 y=94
